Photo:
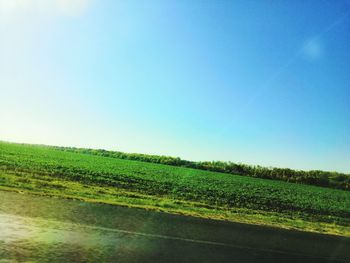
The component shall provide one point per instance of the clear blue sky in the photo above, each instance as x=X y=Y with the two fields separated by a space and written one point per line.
x=258 y=82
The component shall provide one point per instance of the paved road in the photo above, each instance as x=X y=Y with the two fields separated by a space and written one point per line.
x=43 y=229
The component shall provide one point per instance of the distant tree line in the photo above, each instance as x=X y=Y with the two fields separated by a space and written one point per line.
x=314 y=177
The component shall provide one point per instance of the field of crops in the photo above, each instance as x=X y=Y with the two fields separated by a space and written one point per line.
x=328 y=179
x=178 y=182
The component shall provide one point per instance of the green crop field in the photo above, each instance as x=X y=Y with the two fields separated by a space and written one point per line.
x=47 y=170
x=313 y=177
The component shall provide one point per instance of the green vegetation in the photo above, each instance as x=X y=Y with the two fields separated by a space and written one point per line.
x=315 y=177
x=47 y=170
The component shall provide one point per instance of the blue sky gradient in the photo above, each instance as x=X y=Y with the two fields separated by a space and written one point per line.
x=258 y=82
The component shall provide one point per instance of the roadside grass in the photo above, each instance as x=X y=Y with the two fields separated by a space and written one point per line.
x=48 y=186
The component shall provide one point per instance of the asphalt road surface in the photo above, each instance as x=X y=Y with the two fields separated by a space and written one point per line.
x=43 y=229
